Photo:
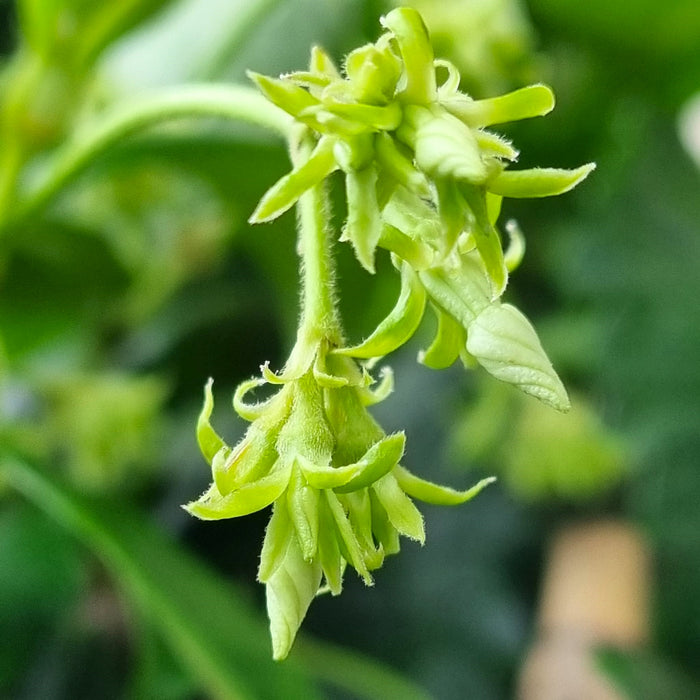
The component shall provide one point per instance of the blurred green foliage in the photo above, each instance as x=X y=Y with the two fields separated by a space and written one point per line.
x=120 y=295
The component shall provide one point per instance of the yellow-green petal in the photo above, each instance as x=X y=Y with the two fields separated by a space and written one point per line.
x=400 y=510
x=287 y=190
x=348 y=542
x=289 y=592
x=210 y=444
x=417 y=53
x=248 y=499
x=436 y=494
x=302 y=503
x=538 y=182
x=532 y=101
x=363 y=227
x=449 y=339
x=326 y=477
x=379 y=460
x=399 y=325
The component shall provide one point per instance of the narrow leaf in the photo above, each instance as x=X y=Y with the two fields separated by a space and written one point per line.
x=283 y=93
x=538 y=182
x=376 y=117
x=487 y=240
x=438 y=495
x=328 y=549
x=382 y=528
x=359 y=509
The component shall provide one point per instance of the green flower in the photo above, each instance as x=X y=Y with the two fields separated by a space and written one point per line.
x=424 y=179
x=398 y=134
x=339 y=492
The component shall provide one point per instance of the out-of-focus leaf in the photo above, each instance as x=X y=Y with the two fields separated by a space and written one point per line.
x=40 y=577
x=646 y=676
x=214 y=633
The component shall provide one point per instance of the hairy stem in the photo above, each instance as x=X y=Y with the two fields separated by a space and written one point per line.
x=320 y=318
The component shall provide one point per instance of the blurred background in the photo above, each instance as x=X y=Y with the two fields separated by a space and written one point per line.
x=137 y=280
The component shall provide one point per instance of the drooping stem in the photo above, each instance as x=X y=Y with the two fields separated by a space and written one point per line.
x=320 y=319
x=219 y=101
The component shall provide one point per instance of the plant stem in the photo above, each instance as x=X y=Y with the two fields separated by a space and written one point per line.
x=320 y=318
x=222 y=101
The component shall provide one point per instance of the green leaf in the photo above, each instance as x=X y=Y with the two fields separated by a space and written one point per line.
x=436 y=494
x=375 y=117
x=506 y=345
x=289 y=592
x=538 y=182
x=322 y=63
x=531 y=101
x=249 y=498
x=252 y=458
x=401 y=323
x=383 y=530
x=402 y=514
x=452 y=214
x=643 y=675
x=285 y=192
x=207 y=624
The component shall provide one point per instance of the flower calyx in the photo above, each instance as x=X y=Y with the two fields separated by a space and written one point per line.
x=339 y=495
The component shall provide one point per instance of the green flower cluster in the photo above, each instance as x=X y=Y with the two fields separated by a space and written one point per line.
x=340 y=495
x=424 y=180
